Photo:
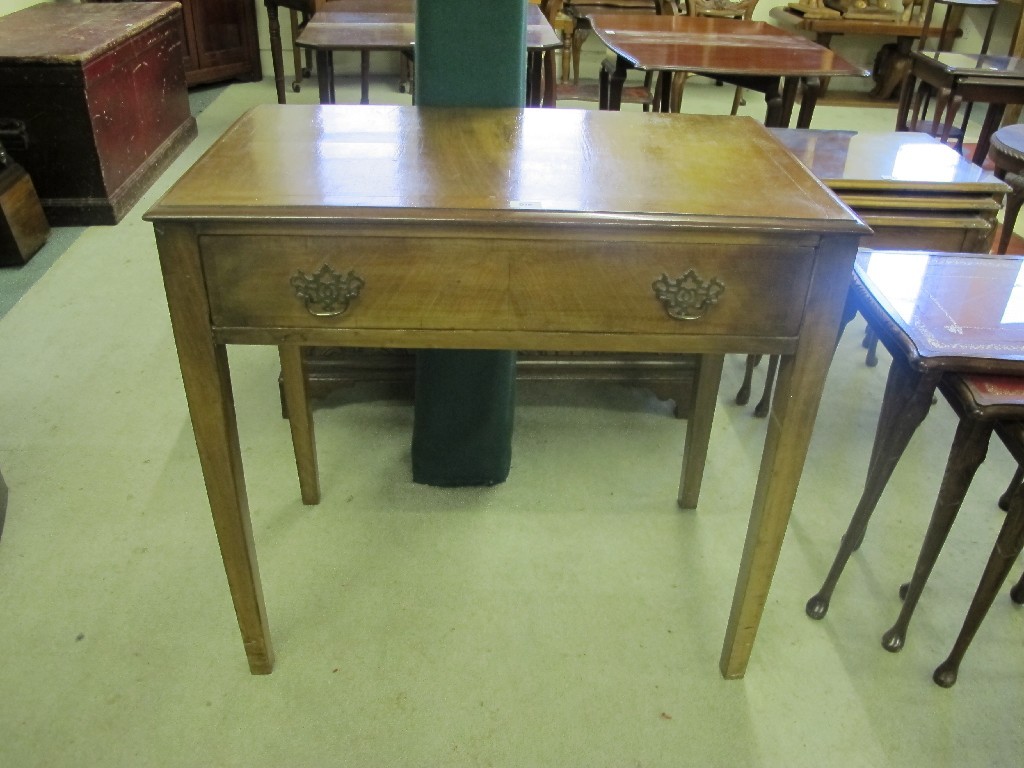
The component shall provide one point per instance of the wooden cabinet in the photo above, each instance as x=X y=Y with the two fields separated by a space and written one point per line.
x=220 y=38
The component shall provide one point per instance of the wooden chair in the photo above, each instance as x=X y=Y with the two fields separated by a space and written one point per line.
x=721 y=9
x=564 y=25
x=955 y=80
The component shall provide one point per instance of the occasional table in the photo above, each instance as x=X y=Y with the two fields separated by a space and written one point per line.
x=891 y=65
x=910 y=188
x=751 y=54
x=390 y=25
x=938 y=314
x=390 y=227
x=955 y=78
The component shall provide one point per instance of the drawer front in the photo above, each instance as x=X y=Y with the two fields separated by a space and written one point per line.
x=509 y=285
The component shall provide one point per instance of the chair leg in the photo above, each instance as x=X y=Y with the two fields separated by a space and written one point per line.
x=579 y=35
x=678 y=86
x=743 y=396
x=737 y=101
x=970 y=444
x=765 y=404
x=1008 y=546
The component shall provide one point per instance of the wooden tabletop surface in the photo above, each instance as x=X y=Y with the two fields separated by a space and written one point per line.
x=958 y=312
x=59 y=32
x=391 y=24
x=904 y=160
x=387 y=162
x=710 y=45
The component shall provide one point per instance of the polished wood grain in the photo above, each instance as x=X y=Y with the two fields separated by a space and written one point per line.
x=751 y=54
x=479 y=229
x=910 y=188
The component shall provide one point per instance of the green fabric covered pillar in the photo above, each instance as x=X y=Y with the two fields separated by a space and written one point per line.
x=469 y=53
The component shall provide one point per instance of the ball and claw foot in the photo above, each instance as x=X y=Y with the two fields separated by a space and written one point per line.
x=893 y=640
x=945 y=675
x=817 y=607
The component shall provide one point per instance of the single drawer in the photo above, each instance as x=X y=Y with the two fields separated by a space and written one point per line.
x=509 y=285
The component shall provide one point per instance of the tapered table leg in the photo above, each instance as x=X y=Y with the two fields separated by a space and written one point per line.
x=698 y=429
x=204 y=371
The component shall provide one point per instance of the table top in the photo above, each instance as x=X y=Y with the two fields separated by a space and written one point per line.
x=402 y=163
x=958 y=312
x=904 y=161
x=711 y=45
x=57 y=33
x=391 y=25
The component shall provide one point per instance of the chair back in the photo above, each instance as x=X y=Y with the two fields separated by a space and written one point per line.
x=722 y=9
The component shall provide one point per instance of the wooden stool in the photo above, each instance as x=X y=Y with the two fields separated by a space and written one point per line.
x=1007 y=152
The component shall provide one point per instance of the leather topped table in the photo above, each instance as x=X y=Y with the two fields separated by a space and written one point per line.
x=751 y=54
x=938 y=314
x=484 y=229
x=390 y=25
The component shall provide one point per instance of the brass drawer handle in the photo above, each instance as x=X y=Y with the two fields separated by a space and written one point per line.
x=325 y=292
x=689 y=297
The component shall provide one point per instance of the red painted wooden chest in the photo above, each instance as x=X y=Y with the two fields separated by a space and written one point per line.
x=93 y=103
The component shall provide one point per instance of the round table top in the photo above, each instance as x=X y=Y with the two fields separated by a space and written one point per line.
x=1007 y=147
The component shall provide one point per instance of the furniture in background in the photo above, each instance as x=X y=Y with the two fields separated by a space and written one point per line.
x=1007 y=154
x=304 y=7
x=719 y=9
x=626 y=249
x=23 y=225
x=94 y=103
x=390 y=25
x=943 y=317
x=953 y=79
x=754 y=55
x=911 y=189
x=579 y=11
x=220 y=40
x=892 y=61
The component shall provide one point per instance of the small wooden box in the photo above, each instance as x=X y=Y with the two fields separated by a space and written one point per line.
x=97 y=100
